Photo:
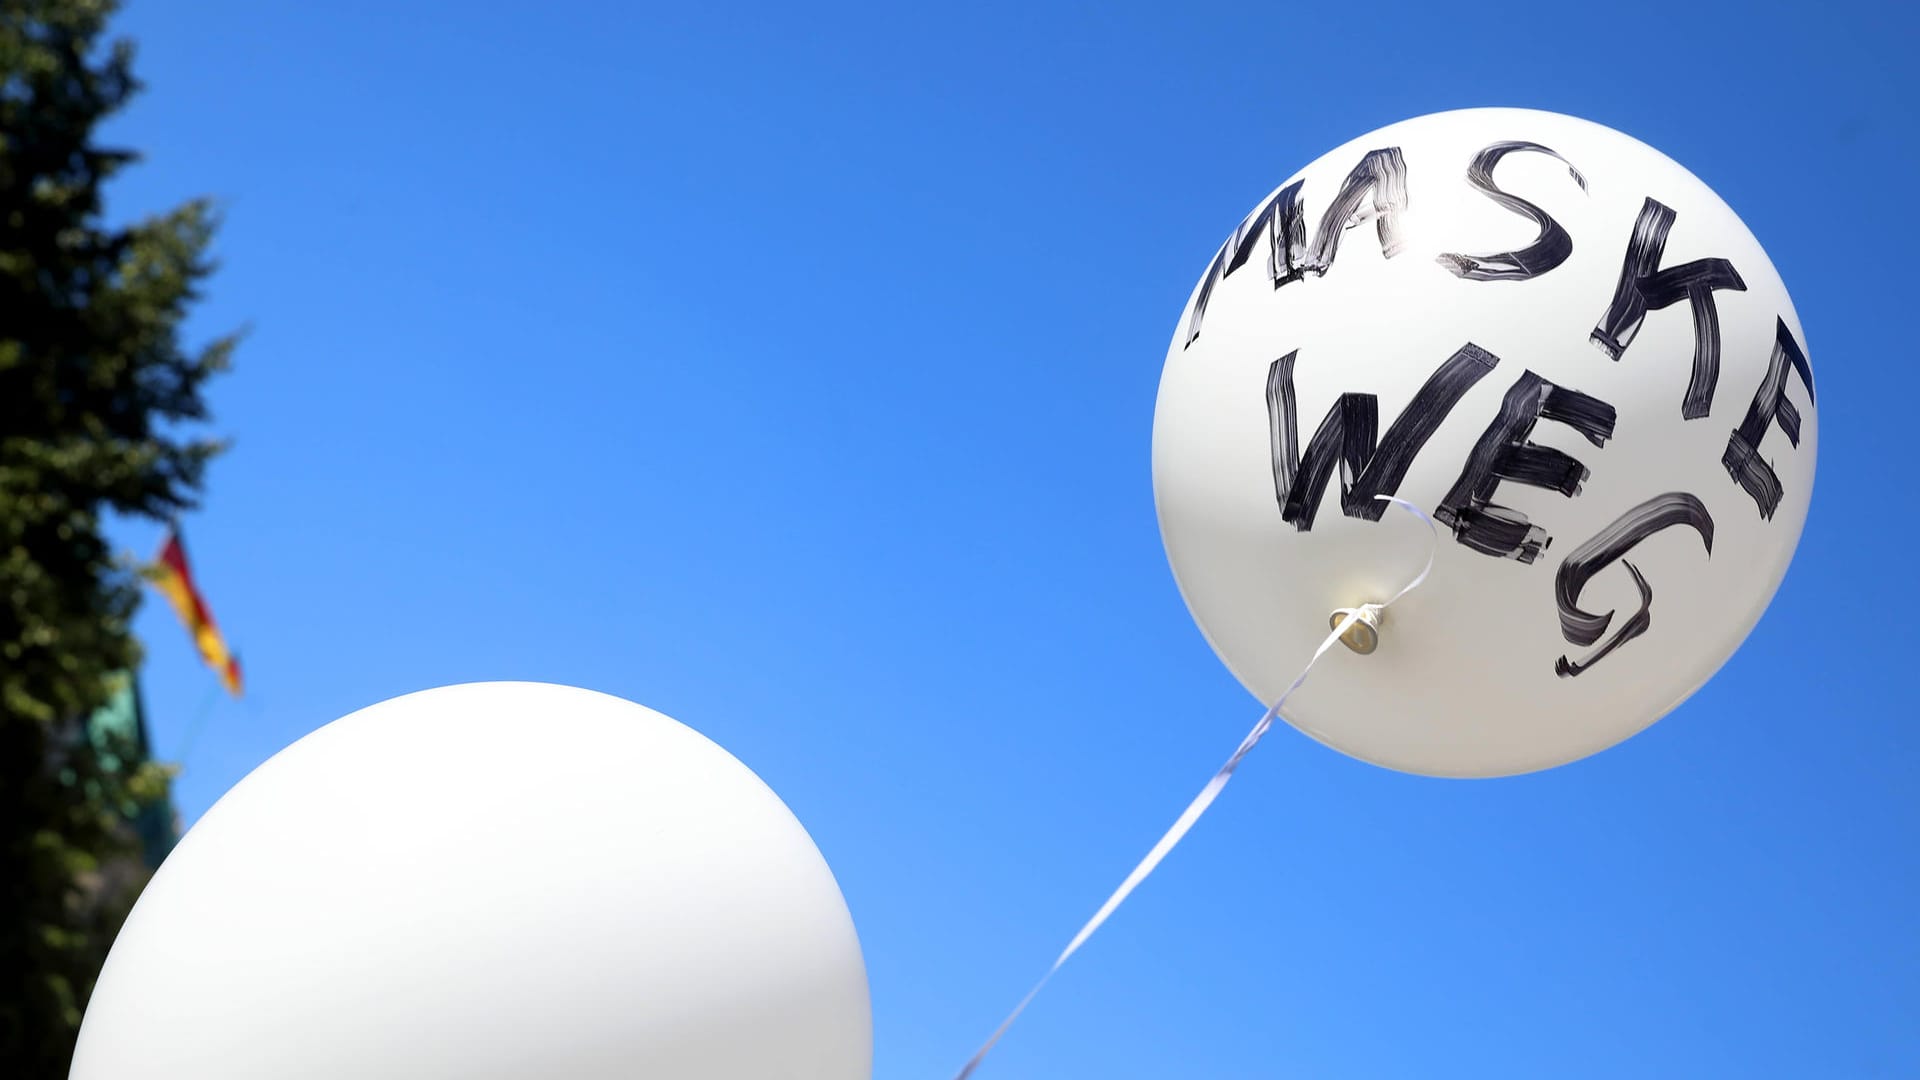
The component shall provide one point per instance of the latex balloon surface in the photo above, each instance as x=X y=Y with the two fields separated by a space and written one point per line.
x=1557 y=341
x=482 y=882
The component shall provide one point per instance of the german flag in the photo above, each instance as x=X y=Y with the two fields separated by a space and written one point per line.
x=175 y=581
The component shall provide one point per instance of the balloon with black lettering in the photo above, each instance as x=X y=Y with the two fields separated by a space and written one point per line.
x=1563 y=346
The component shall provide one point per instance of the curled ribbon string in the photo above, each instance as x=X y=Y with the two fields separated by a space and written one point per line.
x=1207 y=794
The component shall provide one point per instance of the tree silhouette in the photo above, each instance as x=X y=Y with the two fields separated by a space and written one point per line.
x=94 y=388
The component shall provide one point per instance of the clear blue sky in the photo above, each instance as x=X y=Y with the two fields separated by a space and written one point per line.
x=790 y=369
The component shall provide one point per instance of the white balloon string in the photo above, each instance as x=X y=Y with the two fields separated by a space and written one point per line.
x=1207 y=794
x=1433 y=548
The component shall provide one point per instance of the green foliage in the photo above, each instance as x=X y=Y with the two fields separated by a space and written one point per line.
x=94 y=388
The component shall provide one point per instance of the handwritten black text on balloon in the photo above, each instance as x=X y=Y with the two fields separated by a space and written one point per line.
x=1372 y=464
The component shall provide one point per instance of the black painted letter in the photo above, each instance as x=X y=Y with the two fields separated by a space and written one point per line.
x=1381 y=172
x=1583 y=628
x=1503 y=453
x=1348 y=433
x=1548 y=250
x=1645 y=287
x=1770 y=406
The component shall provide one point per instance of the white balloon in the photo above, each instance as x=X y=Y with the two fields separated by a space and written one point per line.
x=1488 y=255
x=488 y=881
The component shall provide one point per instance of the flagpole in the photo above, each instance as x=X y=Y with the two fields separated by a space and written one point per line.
x=196 y=725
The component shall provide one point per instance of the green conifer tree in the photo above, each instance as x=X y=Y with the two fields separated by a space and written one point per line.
x=94 y=387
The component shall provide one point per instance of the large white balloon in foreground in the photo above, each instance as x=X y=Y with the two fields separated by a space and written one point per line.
x=483 y=882
x=1553 y=338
